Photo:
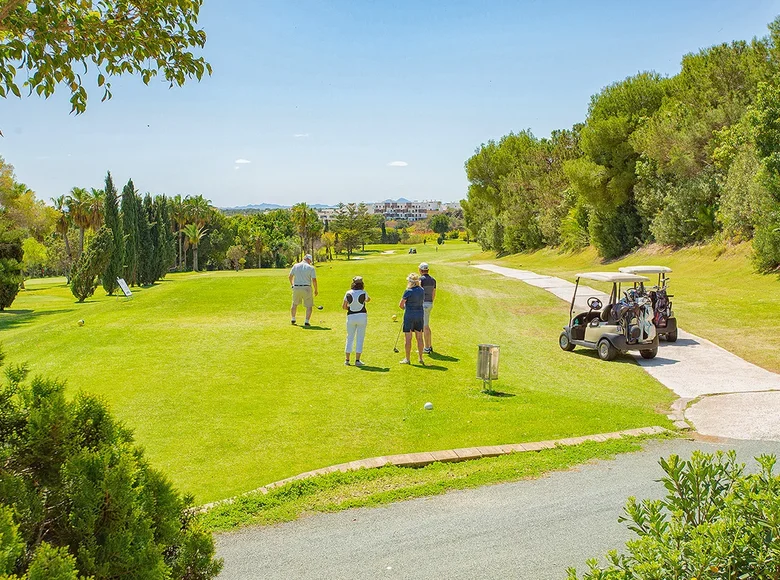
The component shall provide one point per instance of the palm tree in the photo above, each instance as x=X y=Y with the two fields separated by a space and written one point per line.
x=94 y=208
x=259 y=240
x=198 y=209
x=179 y=215
x=77 y=209
x=193 y=235
x=62 y=224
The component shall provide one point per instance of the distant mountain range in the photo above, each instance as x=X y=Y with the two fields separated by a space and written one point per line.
x=265 y=206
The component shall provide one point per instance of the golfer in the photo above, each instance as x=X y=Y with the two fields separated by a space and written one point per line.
x=428 y=284
x=303 y=277
x=355 y=304
x=412 y=305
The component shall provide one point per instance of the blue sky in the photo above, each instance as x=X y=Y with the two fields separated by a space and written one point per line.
x=321 y=98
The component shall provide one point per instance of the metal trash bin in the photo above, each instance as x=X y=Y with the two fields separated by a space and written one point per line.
x=487 y=363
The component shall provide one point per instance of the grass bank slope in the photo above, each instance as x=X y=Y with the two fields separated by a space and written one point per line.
x=226 y=395
x=717 y=294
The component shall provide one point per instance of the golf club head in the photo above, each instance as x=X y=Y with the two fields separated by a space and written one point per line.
x=319 y=307
x=395 y=350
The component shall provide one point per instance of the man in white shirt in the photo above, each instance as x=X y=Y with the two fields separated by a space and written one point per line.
x=303 y=277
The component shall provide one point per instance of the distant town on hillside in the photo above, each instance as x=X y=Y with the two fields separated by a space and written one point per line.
x=391 y=209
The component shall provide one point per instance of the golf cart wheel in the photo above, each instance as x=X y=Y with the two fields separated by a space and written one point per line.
x=648 y=354
x=565 y=343
x=606 y=350
x=671 y=336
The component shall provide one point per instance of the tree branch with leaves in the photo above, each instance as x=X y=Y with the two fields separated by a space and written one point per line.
x=43 y=43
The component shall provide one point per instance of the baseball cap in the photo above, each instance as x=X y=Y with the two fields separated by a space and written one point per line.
x=307 y=257
x=424 y=266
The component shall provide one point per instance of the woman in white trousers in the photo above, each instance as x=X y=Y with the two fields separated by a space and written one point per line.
x=355 y=304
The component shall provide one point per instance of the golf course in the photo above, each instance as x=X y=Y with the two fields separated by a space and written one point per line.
x=226 y=396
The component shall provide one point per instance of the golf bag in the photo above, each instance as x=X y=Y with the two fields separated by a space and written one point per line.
x=634 y=314
x=662 y=307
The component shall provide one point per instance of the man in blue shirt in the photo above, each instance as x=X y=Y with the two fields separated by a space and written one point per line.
x=428 y=284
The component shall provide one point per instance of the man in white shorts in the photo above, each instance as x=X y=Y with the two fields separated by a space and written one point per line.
x=303 y=277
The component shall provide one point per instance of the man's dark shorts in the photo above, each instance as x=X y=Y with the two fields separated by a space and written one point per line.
x=415 y=324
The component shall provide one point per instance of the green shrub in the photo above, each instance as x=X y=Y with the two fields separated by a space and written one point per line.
x=574 y=229
x=615 y=233
x=766 y=243
x=11 y=264
x=91 y=264
x=715 y=523
x=80 y=499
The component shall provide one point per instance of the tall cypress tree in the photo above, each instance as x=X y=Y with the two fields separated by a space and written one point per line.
x=111 y=214
x=145 y=245
x=166 y=241
x=130 y=228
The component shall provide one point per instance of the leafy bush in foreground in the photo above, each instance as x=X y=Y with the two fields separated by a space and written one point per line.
x=715 y=523
x=78 y=498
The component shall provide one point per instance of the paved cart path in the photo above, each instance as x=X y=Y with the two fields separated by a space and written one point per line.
x=693 y=367
x=529 y=529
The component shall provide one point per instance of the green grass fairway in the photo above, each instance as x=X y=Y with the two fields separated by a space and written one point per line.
x=717 y=294
x=226 y=395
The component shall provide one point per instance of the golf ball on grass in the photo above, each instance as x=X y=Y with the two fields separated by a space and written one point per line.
x=81 y=322
x=428 y=406
x=395 y=317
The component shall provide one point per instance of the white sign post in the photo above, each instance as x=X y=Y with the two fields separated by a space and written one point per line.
x=123 y=285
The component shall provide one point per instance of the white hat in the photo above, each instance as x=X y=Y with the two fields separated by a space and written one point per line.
x=424 y=266
x=307 y=257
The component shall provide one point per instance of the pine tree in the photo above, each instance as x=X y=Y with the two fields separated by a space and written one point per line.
x=91 y=263
x=111 y=216
x=145 y=246
x=129 y=220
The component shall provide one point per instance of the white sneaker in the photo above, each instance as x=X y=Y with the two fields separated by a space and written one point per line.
x=405 y=361
x=346 y=362
x=359 y=363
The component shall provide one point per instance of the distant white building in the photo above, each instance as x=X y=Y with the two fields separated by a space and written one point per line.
x=411 y=211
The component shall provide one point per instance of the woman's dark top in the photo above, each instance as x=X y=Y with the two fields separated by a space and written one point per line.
x=414 y=302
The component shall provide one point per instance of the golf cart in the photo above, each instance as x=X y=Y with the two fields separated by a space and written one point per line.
x=624 y=323
x=664 y=319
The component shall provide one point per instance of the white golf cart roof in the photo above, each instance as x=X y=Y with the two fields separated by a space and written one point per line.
x=645 y=269
x=612 y=277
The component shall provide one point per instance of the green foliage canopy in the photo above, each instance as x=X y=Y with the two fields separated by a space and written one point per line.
x=47 y=41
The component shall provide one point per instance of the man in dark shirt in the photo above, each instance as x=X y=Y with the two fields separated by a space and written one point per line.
x=428 y=284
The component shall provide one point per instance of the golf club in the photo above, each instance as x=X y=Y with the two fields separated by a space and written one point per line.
x=395 y=347
x=319 y=307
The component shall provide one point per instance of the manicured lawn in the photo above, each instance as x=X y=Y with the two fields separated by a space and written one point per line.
x=717 y=294
x=226 y=395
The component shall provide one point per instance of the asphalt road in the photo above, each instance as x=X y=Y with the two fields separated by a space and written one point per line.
x=532 y=530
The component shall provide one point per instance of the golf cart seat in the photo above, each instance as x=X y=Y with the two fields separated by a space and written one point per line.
x=607 y=313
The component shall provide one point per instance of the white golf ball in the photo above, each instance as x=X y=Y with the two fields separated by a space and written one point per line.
x=428 y=406
x=81 y=323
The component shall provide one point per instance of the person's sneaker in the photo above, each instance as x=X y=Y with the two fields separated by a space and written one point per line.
x=359 y=363
x=427 y=350
x=292 y=322
x=306 y=324
x=346 y=362
x=405 y=361
x=422 y=362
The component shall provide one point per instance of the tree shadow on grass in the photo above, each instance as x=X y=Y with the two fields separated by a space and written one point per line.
x=370 y=369
x=13 y=318
x=442 y=357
